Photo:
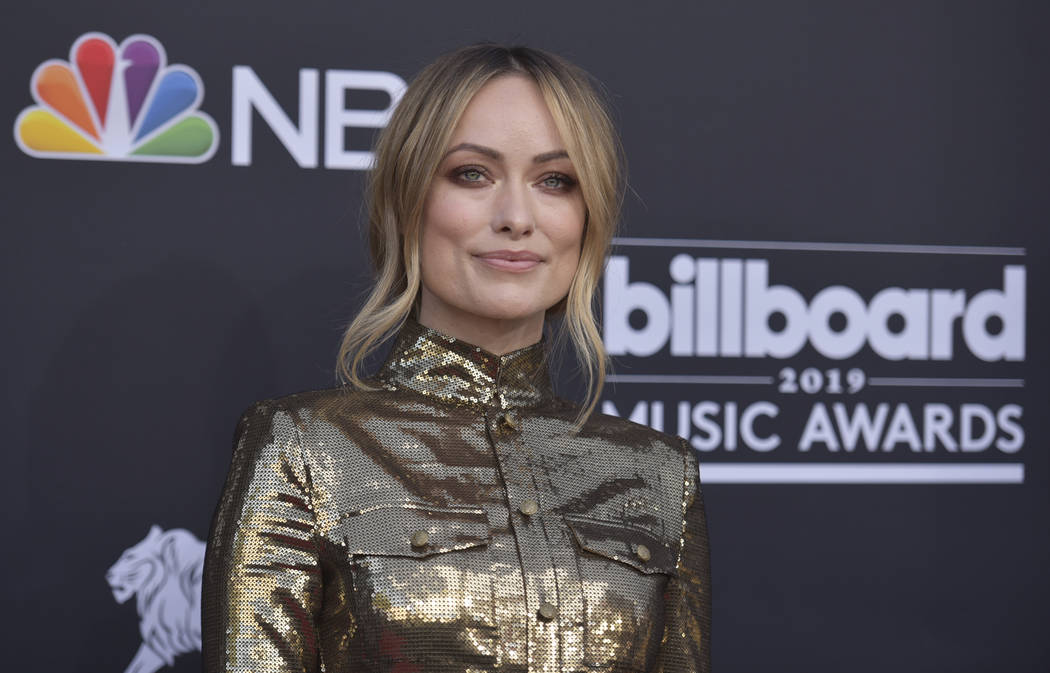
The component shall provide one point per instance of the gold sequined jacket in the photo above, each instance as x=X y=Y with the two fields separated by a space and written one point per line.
x=454 y=520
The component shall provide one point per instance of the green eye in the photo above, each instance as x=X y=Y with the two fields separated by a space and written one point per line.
x=558 y=182
x=471 y=175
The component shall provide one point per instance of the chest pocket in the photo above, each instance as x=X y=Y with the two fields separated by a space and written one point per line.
x=630 y=545
x=413 y=531
x=420 y=591
x=624 y=570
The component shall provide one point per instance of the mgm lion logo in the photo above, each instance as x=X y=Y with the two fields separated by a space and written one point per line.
x=163 y=572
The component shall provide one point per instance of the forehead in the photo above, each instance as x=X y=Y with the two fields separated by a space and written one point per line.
x=509 y=110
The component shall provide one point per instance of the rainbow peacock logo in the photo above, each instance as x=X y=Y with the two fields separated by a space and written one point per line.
x=116 y=103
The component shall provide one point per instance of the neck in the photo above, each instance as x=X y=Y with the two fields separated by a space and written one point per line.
x=495 y=335
x=456 y=371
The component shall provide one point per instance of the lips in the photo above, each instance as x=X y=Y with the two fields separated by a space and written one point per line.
x=510 y=260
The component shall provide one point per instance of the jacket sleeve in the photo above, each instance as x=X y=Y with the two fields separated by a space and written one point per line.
x=262 y=580
x=687 y=630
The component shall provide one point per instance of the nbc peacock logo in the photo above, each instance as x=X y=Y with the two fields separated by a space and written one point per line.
x=116 y=103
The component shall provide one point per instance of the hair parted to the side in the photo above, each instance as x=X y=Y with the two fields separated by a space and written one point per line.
x=407 y=154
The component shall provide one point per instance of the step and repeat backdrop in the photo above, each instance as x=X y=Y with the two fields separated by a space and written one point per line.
x=830 y=280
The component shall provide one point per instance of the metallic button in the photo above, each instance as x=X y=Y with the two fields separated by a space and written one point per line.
x=547 y=611
x=529 y=507
x=511 y=421
x=643 y=553
x=420 y=539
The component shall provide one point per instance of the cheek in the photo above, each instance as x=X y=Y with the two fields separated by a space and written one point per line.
x=442 y=233
x=567 y=270
x=567 y=242
x=438 y=266
x=568 y=238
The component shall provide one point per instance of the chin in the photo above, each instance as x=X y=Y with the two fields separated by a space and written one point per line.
x=510 y=316
x=508 y=309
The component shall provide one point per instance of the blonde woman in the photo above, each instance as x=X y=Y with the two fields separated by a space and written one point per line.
x=450 y=513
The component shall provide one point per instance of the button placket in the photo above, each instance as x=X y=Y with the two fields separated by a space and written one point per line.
x=571 y=604
x=510 y=446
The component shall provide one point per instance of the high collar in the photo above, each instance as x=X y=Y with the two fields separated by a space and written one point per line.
x=457 y=372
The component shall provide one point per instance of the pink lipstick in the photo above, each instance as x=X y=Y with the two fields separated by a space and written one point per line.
x=510 y=260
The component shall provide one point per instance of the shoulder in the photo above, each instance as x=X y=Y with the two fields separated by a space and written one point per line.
x=346 y=410
x=630 y=445
x=675 y=453
x=309 y=404
x=634 y=473
x=290 y=412
x=298 y=402
x=636 y=435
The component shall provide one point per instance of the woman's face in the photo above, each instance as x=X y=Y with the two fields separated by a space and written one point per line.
x=502 y=222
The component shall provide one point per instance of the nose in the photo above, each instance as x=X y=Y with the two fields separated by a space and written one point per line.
x=514 y=215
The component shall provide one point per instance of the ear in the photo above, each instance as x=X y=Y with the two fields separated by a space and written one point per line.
x=154 y=531
x=169 y=554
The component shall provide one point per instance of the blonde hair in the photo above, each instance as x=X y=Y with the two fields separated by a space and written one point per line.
x=407 y=154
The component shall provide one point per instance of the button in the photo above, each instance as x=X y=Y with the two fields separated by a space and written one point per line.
x=511 y=421
x=547 y=611
x=420 y=539
x=529 y=507
x=643 y=553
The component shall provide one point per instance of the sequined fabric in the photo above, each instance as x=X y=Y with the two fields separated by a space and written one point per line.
x=453 y=521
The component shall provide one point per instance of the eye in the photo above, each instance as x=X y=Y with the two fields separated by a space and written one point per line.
x=557 y=182
x=470 y=175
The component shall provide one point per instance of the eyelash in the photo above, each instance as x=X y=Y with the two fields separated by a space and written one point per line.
x=567 y=183
x=459 y=174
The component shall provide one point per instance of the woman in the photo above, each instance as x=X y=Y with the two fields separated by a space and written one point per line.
x=451 y=513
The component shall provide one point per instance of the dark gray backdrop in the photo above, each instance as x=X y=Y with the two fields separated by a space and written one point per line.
x=147 y=304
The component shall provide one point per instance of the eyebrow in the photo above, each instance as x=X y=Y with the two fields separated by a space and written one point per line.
x=497 y=155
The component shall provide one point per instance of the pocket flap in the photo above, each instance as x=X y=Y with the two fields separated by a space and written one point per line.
x=413 y=530
x=637 y=547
